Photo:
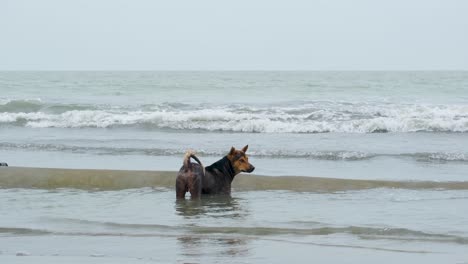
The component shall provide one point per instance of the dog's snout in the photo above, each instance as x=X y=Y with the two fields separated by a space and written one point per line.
x=252 y=168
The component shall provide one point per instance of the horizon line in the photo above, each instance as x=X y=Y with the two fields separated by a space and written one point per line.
x=233 y=70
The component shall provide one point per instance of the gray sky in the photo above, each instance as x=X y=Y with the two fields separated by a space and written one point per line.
x=234 y=35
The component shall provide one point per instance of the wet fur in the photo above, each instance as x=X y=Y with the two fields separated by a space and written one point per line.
x=189 y=178
x=214 y=179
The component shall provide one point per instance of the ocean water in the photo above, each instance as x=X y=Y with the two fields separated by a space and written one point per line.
x=397 y=126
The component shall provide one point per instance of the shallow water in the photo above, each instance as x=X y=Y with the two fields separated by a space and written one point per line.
x=406 y=127
x=150 y=225
x=384 y=125
x=399 y=156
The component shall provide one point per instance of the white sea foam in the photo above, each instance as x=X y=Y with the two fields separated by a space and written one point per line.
x=444 y=156
x=318 y=117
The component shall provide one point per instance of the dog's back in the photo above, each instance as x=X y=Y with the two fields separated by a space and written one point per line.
x=218 y=177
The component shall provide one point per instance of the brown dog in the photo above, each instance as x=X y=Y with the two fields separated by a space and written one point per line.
x=213 y=179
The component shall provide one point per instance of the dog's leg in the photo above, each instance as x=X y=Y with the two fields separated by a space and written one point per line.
x=181 y=189
x=180 y=194
x=195 y=188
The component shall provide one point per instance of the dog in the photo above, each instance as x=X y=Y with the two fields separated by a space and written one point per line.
x=214 y=179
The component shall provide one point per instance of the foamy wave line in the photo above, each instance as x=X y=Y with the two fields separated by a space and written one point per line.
x=316 y=155
x=323 y=155
x=97 y=150
x=320 y=117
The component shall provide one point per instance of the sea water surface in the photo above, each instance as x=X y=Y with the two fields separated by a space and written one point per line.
x=399 y=126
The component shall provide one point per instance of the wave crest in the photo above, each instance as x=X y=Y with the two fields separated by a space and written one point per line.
x=317 y=117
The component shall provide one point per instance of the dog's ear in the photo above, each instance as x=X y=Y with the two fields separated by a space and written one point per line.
x=232 y=151
x=245 y=148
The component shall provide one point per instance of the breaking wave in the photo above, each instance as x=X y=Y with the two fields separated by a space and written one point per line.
x=309 y=117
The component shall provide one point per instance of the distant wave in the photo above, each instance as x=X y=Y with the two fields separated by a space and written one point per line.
x=309 y=117
x=37 y=105
x=101 y=229
x=316 y=155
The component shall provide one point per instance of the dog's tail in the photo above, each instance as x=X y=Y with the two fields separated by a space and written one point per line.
x=187 y=164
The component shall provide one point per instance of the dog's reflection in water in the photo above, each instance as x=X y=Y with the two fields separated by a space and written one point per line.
x=215 y=206
x=205 y=239
x=202 y=249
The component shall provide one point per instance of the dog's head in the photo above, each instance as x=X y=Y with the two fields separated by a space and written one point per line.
x=240 y=161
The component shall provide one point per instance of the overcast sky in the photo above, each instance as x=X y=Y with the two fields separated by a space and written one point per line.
x=233 y=35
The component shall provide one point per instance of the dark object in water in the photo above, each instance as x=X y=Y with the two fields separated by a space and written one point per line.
x=3 y=164
x=189 y=178
x=213 y=179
